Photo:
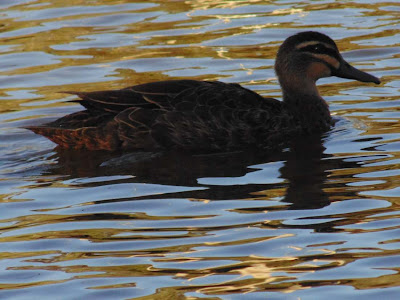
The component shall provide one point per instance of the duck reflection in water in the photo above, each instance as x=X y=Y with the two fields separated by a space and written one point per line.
x=300 y=177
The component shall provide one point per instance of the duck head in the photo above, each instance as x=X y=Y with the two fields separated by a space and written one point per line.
x=305 y=57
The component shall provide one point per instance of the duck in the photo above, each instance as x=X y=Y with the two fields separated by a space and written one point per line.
x=195 y=115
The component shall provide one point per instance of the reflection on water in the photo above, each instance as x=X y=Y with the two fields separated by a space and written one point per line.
x=317 y=218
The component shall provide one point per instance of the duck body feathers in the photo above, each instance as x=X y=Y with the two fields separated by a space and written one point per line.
x=182 y=114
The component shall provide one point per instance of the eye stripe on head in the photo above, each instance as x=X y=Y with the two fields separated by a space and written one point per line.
x=323 y=51
x=328 y=59
x=312 y=43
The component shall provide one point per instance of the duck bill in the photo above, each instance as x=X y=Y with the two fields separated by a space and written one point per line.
x=347 y=71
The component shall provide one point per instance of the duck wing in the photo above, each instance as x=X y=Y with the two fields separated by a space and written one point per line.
x=184 y=114
x=149 y=95
x=207 y=116
x=218 y=116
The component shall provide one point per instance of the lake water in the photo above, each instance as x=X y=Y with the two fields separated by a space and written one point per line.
x=318 y=220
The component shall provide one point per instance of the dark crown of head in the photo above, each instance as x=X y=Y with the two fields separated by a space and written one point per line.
x=307 y=36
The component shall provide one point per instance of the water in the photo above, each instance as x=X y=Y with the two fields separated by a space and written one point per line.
x=318 y=220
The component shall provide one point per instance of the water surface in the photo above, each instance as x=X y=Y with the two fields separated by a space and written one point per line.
x=319 y=218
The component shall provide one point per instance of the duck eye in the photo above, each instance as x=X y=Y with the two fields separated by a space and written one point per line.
x=318 y=48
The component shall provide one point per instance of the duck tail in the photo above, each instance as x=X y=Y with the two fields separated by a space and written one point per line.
x=89 y=138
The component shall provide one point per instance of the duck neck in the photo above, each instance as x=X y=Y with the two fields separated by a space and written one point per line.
x=304 y=103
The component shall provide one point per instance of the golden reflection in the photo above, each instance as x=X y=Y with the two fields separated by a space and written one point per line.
x=227 y=4
x=16 y=286
x=221 y=53
x=289 y=11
